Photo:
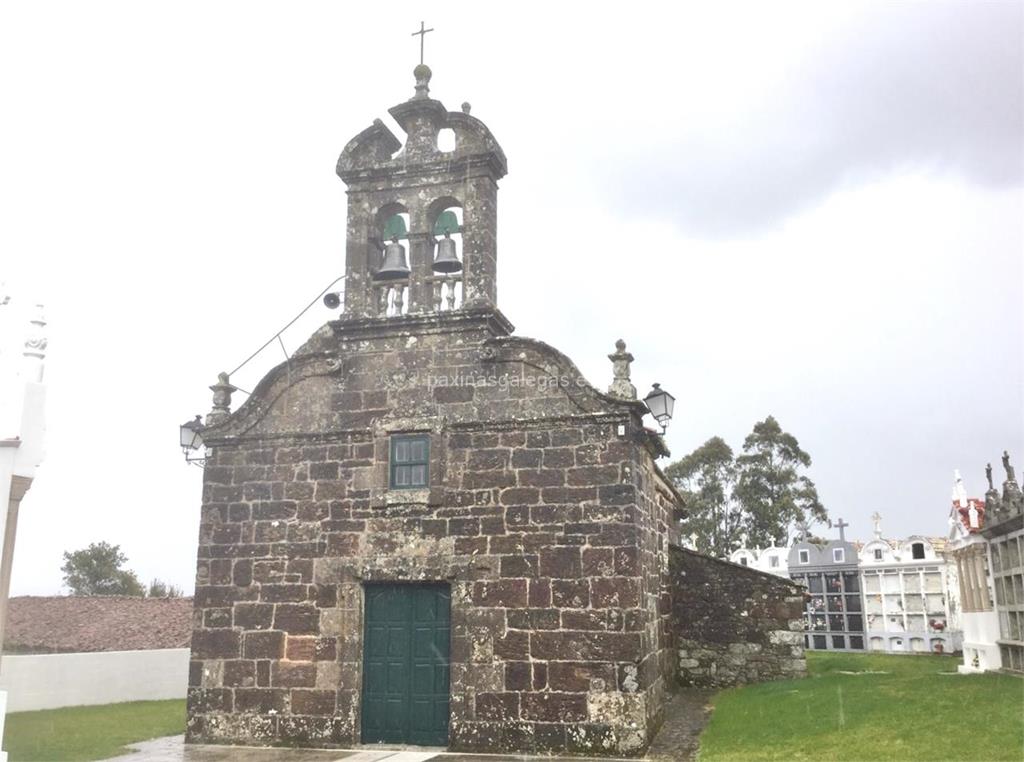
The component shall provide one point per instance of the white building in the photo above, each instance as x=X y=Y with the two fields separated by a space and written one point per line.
x=22 y=399
x=969 y=553
x=911 y=590
x=773 y=560
x=907 y=600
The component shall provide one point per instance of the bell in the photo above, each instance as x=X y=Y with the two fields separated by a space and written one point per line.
x=446 y=261
x=395 y=266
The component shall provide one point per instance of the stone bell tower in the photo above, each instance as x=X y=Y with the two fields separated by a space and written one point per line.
x=405 y=201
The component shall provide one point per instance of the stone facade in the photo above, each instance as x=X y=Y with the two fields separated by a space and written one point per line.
x=732 y=624
x=544 y=511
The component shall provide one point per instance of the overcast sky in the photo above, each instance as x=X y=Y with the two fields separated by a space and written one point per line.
x=812 y=211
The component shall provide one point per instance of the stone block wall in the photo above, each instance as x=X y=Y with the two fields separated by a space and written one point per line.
x=731 y=624
x=541 y=517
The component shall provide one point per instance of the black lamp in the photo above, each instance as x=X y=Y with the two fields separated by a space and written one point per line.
x=661 y=404
x=191 y=433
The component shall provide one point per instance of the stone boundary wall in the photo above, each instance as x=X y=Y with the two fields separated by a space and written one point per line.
x=731 y=624
x=51 y=681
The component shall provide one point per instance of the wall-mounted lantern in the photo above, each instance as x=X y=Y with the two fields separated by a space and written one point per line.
x=191 y=433
x=661 y=404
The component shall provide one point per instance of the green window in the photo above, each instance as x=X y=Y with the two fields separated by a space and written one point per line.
x=410 y=456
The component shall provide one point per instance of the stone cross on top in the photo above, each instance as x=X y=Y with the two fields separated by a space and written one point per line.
x=841 y=526
x=422 y=34
x=876 y=519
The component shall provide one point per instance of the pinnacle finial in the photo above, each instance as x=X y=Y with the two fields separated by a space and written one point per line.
x=422 y=73
x=621 y=386
x=221 y=399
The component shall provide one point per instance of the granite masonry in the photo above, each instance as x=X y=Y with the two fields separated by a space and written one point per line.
x=421 y=528
x=732 y=624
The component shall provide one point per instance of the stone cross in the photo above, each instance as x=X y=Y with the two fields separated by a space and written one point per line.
x=841 y=526
x=876 y=519
x=422 y=33
x=621 y=386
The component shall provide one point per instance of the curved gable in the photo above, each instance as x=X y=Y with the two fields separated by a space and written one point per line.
x=341 y=383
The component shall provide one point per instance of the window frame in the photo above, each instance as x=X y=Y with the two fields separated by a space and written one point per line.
x=839 y=555
x=803 y=556
x=393 y=465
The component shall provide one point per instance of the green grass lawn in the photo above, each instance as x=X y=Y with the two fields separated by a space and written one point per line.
x=913 y=712
x=89 y=732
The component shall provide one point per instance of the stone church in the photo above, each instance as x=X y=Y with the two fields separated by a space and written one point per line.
x=423 y=529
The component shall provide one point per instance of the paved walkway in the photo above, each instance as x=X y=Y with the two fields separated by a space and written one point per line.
x=677 y=741
x=173 y=749
x=686 y=716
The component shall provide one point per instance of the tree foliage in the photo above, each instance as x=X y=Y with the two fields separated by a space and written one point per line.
x=96 y=570
x=754 y=498
x=160 y=589
x=707 y=476
x=770 y=487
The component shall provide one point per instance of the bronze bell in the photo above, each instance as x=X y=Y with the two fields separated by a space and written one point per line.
x=446 y=260
x=395 y=266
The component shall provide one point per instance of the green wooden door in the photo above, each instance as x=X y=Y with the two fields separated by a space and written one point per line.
x=405 y=664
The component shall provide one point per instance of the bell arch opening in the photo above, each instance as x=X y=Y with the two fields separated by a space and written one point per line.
x=446 y=141
x=391 y=277
x=445 y=219
x=385 y=221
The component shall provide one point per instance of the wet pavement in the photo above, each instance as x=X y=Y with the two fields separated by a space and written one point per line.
x=677 y=741
x=173 y=749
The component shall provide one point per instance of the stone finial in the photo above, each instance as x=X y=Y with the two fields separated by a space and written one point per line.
x=222 y=391
x=422 y=73
x=466 y=107
x=1010 y=476
x=993 y=506
x=973 y=516
x=876 y=519
x=621 y=386
x=1012 y=501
